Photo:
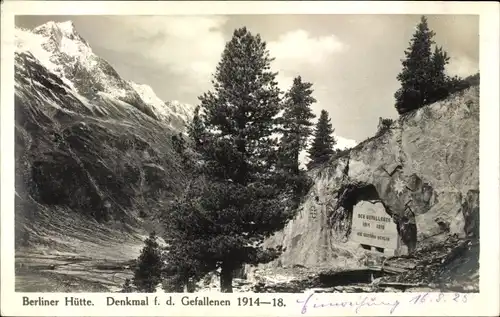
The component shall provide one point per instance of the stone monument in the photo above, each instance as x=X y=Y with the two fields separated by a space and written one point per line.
x=374 y=229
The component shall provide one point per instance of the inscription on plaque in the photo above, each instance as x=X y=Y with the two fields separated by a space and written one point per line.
x=372 y=226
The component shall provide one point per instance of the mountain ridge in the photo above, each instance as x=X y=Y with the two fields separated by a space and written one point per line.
x=87 y=147
x=62 y=50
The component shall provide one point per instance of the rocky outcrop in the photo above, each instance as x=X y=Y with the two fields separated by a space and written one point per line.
x=451 y=264
x=424 y=170
x=470 y=212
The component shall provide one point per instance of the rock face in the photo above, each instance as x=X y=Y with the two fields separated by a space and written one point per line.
x=91 y=148
x=424 y=171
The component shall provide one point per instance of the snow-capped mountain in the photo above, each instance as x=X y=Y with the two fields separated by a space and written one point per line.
x=89 y=145
x=59 y=48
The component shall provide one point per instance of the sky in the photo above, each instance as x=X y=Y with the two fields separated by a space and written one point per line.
x=352 y=60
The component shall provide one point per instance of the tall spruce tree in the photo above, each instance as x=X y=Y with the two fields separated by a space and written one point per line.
x=296 y=122
x=223 y=220
x=322 y=147
x=297 y=127
x=416 y=75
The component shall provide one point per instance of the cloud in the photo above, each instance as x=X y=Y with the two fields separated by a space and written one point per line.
x=300 y=47
x=189 y=46
x=297 y=51
x=462 y=66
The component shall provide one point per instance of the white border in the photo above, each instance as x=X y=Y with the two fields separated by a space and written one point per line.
x=485 y=303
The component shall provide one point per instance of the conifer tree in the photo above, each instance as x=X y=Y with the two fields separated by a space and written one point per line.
x=415 y=77
x=196 y=129
x=184 y=258
x=222 y=221
x=323 y=142
x=149 y=268
x=182 y=267
x=184 y=264
x=296 y=129
x=439 y=79
x=296 y=123
x=423 y=77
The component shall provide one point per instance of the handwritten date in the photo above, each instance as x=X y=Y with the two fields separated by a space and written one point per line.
x=438 y=298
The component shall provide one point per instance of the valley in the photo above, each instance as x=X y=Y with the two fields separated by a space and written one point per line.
x=96 y=168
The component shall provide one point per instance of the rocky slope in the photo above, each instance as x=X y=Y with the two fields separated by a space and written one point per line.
x=93 y=157
x=423 y=171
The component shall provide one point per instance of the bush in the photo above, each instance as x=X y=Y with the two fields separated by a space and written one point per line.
x=456 y=84
x=384 y=124
x=127 y=288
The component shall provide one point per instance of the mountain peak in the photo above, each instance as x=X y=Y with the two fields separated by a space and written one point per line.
x=67 y=27
x=59 y=47
x=59 y=30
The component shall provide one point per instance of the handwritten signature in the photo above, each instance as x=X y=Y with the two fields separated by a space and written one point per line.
x=365 y=301
x=371 y=300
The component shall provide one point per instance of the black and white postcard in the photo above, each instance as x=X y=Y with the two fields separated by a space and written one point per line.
x=249 y=158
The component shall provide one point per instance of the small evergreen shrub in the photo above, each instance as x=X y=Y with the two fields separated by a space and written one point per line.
x=127 y=287
x=384 y=124
x=147 y=274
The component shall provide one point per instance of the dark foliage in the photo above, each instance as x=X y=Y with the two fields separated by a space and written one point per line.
x=237 y=199
x=456 y=84
x=423 y=77
x=384 y=124
x=417 y=70
x=149 y=268
x=296 y=129
x=196 y=130
x=127 y=288
x=178 y=143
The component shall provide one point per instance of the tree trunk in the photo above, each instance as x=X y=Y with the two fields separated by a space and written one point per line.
x=190 y=286
x=226 y=279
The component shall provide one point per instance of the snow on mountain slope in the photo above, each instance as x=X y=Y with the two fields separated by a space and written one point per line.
x=344 y=143
x=173 y=111
x=59 y=48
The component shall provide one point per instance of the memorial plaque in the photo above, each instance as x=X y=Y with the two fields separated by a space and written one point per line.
x=371 y=225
